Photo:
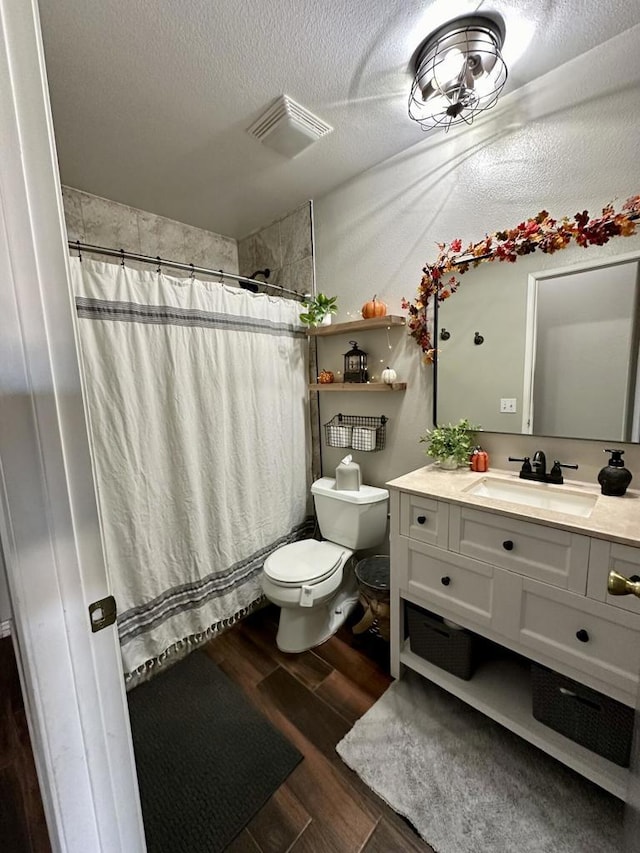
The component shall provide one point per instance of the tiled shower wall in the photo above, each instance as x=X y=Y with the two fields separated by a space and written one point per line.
x=285 y=247
x=106 y=223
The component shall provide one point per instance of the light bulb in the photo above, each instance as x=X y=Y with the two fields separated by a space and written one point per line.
x=448 y=69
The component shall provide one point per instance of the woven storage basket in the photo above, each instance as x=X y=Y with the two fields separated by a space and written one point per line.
x=452 y=649
x=585 y=716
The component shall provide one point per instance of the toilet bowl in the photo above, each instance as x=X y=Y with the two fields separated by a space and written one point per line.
x=312 y=581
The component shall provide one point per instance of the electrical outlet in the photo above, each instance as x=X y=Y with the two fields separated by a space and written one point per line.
x=508 y=404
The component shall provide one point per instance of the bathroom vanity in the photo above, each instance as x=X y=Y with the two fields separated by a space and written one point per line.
x=525 y=566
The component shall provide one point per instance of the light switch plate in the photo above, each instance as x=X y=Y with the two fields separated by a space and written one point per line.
x=508 y=404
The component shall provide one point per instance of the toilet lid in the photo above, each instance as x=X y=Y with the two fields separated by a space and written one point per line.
x=305 y=562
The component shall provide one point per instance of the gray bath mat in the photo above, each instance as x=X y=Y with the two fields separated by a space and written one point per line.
x=207 y=761
x=470 y=786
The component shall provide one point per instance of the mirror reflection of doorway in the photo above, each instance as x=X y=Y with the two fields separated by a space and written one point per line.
x=586 y=358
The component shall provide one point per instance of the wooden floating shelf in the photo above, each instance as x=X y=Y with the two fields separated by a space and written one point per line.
x=357 y=325
x=357 y=386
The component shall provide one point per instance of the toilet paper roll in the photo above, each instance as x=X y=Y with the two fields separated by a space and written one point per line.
x=363 y=438
x=339 y=436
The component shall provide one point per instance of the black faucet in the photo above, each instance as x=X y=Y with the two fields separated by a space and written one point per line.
x=539 y=465
x=536 y=468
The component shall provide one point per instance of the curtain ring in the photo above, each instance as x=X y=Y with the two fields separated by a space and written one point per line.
x=193 y=272
x=221 y=272
x=79 y=252
x=121 y=257
x=159 y=260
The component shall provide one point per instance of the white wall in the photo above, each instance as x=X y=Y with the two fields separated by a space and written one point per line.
x=567 y=142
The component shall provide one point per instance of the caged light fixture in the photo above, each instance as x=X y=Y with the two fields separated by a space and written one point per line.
x=458 y=72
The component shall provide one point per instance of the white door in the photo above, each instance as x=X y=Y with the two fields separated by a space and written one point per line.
x=71 y=677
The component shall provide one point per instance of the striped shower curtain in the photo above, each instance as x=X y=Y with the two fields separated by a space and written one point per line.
x=197 y=405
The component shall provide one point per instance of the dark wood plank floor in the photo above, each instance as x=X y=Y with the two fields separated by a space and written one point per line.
x=314 y=698
x=22 y=824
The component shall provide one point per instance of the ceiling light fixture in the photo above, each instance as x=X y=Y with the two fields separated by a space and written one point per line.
x=458 y=72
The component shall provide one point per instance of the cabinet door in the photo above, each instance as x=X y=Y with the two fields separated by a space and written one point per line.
x=593 y=638
x=536 y=551
x=446 y=582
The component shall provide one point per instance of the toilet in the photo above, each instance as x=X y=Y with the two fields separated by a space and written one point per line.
x=313 y=581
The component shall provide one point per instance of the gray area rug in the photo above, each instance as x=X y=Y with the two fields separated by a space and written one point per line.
x=207 y=760
x=470 y=786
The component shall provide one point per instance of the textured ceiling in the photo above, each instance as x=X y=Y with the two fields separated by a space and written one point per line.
x=151 y=100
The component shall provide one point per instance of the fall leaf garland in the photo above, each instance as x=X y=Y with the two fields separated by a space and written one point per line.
x=542 y=233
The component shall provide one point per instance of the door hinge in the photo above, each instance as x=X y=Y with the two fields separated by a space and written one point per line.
x=102 y=613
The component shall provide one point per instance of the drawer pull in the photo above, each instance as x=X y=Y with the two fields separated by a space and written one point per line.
x=445 y=581
x=582 y=635
x=507 y=545
x=421 y=519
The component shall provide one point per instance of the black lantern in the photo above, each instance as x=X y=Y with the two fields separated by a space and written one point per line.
x=355 y=364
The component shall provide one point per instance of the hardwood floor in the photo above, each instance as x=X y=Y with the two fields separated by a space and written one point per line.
x=314 y=698
x=22 y=824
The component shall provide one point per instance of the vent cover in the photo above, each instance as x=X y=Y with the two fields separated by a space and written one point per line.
x=288 y=127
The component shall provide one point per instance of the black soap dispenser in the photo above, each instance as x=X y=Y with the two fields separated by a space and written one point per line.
x=614 y=477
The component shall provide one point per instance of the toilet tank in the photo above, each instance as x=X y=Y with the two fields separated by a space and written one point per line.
x=354 y=519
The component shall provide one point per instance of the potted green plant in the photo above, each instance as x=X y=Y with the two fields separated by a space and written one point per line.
x=450 y=445
x=319 y=309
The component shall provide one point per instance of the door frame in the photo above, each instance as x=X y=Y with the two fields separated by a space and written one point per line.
x=71 y=678
x=531 y=328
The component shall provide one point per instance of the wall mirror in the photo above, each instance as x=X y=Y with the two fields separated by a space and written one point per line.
x=546 y=346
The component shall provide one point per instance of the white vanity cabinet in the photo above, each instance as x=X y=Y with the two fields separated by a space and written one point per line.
x=534 y=583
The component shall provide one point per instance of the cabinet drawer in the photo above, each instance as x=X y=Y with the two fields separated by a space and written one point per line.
x=625 y=560
x=447 y=581
x=593 y=638
x=534 y=550
x=424 y=519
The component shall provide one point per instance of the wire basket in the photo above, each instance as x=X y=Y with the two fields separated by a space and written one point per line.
x=356 y=431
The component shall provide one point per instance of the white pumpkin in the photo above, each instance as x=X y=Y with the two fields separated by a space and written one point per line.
x=389 y=376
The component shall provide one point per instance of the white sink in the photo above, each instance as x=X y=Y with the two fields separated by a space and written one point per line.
x=540 y=495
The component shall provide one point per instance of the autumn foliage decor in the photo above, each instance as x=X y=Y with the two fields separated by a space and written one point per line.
x=540 y=234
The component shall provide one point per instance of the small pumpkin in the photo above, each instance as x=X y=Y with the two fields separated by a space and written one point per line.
x=374 y=308
x=389 y=376
x=325 y=377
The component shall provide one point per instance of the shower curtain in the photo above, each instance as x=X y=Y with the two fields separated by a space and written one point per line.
x=196 y=396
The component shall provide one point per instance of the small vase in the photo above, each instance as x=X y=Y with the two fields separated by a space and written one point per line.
x=326 y=320
x=449 y=463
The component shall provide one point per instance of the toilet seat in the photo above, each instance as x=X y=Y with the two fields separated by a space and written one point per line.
x=307 y=563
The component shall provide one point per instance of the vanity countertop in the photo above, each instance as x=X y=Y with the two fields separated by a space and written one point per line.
x=614 y=518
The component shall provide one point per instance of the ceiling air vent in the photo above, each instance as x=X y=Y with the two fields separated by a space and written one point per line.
x=288 y=128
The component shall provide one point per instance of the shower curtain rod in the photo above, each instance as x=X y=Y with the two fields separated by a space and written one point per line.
x=177 y=265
